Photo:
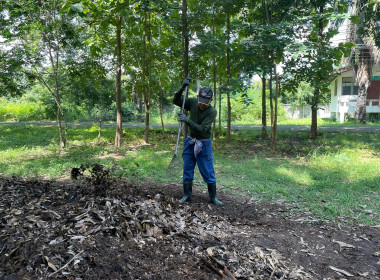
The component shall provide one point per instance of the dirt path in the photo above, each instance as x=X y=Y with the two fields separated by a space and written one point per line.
x=109 y=229
x=233 y=127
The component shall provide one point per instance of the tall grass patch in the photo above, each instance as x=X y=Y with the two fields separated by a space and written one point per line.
x=14 y=110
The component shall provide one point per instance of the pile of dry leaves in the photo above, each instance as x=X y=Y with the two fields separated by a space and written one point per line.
x=99 y=227
x=81 y=230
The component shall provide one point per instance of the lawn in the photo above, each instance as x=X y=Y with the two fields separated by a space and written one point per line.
x=335 y=177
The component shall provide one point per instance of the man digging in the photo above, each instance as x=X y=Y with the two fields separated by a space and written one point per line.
x=197 y=147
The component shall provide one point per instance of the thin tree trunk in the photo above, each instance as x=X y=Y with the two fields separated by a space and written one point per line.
x=228 y=81
x=185 y=44
x=220 y=103
x=55 y=65
x=62 y=137
x=314 y=104
x=268 y=21
x=214 y=80
x=144 y=69
x=185 y=39
x=271 y=98
x=100 y=128
x=274 y=128
x=263 y=108
x=100 y=118
x=161 y=114
x=146 y=94
x=314 y=114
x=119 y=121
x=136 y=99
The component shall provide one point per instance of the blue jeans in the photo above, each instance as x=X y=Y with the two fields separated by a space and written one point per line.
x=204 y=159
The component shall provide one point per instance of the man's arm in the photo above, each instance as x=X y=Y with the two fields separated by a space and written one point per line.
x=177 y=100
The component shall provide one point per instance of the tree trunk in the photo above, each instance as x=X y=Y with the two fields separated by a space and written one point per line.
x=185 y=45
x=220 y=103
x=100 y=128
x=136 y=99
x=161 y=114
x=363 y=74
x=274 y=127
x=214 y=80
x=60 y=114
x=361 y=104
x=145 y=93
x=271 y=98
x=263 y=109
x=314 y=114
x=315 y=101
x=268 y=21
x=362 y=59
x=62 y=138
x=228 y=81
x=100 y=118
x=119 y=124
x=185 y=39
x=54 y=61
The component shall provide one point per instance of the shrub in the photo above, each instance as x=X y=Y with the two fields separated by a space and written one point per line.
x=23 y=110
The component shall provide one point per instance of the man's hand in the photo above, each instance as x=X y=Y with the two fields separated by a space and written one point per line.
x=186 y=82
x=182 y=117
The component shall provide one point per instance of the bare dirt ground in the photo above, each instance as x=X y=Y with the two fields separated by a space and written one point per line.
x=102 y=228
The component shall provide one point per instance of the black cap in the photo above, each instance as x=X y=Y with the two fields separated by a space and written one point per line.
x=204 y=96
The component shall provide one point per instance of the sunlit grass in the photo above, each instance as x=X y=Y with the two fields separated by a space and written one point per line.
x=306 y=122
x=333 y=177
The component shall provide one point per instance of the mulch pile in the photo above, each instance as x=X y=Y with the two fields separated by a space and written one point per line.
x=98 y=227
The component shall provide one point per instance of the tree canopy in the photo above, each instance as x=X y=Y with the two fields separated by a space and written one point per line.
x=76 y=49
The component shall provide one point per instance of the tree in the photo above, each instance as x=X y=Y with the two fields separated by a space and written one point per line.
x=269 y=28
x=41 y=34
x=363 y=33
x=104 y=16
x=313 y=57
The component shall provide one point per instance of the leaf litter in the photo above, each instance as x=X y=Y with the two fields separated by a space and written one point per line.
x=99 y=227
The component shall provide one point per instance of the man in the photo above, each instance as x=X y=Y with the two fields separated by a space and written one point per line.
x=197 y=148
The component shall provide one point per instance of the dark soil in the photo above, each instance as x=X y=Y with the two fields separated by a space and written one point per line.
x=113 y=229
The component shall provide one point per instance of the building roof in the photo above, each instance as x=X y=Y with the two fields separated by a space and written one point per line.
x=345 y=69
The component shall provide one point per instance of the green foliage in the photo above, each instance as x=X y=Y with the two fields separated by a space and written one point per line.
x=301 y=96
x=21 y=110
x=246 y=107
x=70 y=51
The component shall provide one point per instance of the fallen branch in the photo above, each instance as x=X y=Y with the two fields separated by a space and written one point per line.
x=67 y=264
x=341 y=271
x=229 y=273
x=222 y=273
x=213 y=268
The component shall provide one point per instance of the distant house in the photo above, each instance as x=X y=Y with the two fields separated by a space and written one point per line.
x=344 y=93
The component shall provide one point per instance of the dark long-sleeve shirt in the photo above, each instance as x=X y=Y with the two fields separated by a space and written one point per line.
x=200 y=121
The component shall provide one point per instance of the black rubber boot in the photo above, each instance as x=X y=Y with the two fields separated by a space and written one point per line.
x=187 y=190
x=212 y=193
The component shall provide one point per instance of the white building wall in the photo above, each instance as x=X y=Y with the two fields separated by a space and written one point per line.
x=304 y=111
x=341 y=105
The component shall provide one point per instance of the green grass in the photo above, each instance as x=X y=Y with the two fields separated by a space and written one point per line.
x=169 y=119
x=334 y=177
x=307 y=122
